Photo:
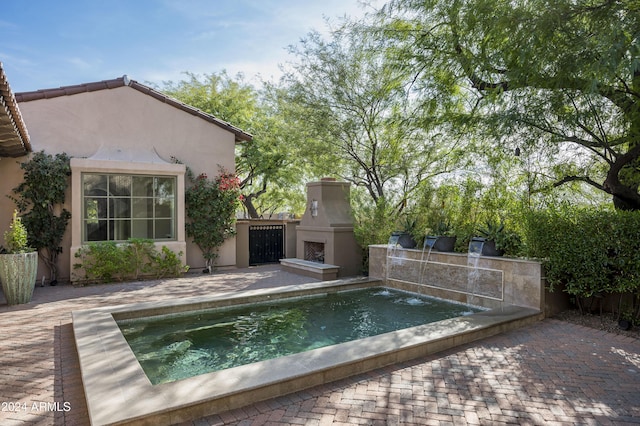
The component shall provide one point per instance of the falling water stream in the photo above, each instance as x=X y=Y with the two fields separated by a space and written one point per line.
x=429 y=242
x=475 y=251
x=392 y=246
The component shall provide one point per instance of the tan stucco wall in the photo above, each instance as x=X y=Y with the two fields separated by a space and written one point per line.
x=120 y=125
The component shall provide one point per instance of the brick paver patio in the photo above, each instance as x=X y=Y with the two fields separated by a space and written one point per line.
x=550 y=373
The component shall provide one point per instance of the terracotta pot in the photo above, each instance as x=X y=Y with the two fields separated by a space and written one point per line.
x=18 y=276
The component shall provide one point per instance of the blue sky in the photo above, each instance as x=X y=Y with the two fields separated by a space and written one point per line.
x=47 y=43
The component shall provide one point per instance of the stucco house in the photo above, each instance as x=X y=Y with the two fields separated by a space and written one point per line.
x=121 y=136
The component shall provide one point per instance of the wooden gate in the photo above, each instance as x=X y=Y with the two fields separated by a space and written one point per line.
x=266 y=244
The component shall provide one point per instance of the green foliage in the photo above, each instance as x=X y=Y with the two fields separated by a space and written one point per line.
x=139 y=252
x=211 y=207
x=373 y=224
x=358 y=115
x=505 y=240
x=167 y=263
x=103 y=261
x=38 y=197
x=16 y=237
x=588 y=251
x=408 y=224
x=559 y=79
x=459 y=208
x=442 y=228
x=269 y=174
x=108 y=261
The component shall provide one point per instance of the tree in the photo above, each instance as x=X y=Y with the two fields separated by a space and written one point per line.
x=263 y=164
x=40 y=198
x=561 y=77
x=356 y=113
x=211 y=207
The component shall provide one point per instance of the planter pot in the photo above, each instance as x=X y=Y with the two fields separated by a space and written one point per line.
x=405 y=240
x=429 y=241
x=18 y=276
x=446 y=244
x=489 y=249
x=624 y=324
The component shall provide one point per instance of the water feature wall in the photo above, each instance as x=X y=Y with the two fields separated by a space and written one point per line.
x=490 y=282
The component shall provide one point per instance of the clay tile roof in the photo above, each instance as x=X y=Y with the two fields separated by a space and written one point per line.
x=125 y=81
x=14 y=138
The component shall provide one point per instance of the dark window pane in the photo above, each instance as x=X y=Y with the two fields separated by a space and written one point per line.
x=164 y=208
x=142 y=229
x=119 y=208
x=96 y=231
x=95 y=208
x=142 y=186
x=95 y=184
x=142 y=208
x=120 y=230
x=164 y=229
x=165 y=187
x=120 y=185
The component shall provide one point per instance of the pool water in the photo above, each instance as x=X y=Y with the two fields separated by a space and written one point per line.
x=179 y=346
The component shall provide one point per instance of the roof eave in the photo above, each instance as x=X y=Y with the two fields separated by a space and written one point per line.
x=14 y=137
x=240 y=135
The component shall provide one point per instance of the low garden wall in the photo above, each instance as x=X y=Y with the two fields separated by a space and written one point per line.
x=242 y=238
x=491 y=282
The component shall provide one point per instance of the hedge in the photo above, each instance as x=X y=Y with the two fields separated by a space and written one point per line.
x=589 y=251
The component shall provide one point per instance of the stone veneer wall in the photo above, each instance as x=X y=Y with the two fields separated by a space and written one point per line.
x=492 y=282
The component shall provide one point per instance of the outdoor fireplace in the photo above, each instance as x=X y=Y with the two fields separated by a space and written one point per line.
x=325 y=234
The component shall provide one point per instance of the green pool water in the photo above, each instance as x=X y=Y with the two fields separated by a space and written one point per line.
x=175 y=347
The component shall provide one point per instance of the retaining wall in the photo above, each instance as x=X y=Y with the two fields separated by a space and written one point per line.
x=491 y=282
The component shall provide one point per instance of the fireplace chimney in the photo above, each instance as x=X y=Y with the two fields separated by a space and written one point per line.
x=325 y=233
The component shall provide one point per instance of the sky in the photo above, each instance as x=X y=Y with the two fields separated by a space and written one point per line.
x=47 y=44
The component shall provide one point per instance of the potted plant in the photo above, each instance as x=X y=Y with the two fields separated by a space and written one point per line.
x=18 y=264
x=406 y=235
x=627 y=319
x=498 y=240
x=445 y=238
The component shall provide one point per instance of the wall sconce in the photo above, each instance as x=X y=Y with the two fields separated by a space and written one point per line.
x=314 y=208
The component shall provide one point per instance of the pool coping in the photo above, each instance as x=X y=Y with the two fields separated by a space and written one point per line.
x=119 y=393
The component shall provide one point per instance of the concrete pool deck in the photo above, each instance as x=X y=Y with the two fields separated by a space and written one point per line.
x=545 y=373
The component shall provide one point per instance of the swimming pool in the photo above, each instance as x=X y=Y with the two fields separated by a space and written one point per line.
x=118 y=391
x=174 y=347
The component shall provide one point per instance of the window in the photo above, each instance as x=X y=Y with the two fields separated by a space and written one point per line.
x=118 y=207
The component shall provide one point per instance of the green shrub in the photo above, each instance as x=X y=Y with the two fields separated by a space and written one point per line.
x=103 y=261
x=588 y=251
x=16 y=237
x=110 y=261
x=373 y=224
x=140 y=252
x=168 y=264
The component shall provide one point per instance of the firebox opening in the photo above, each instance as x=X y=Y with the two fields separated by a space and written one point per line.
x=314 y=251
